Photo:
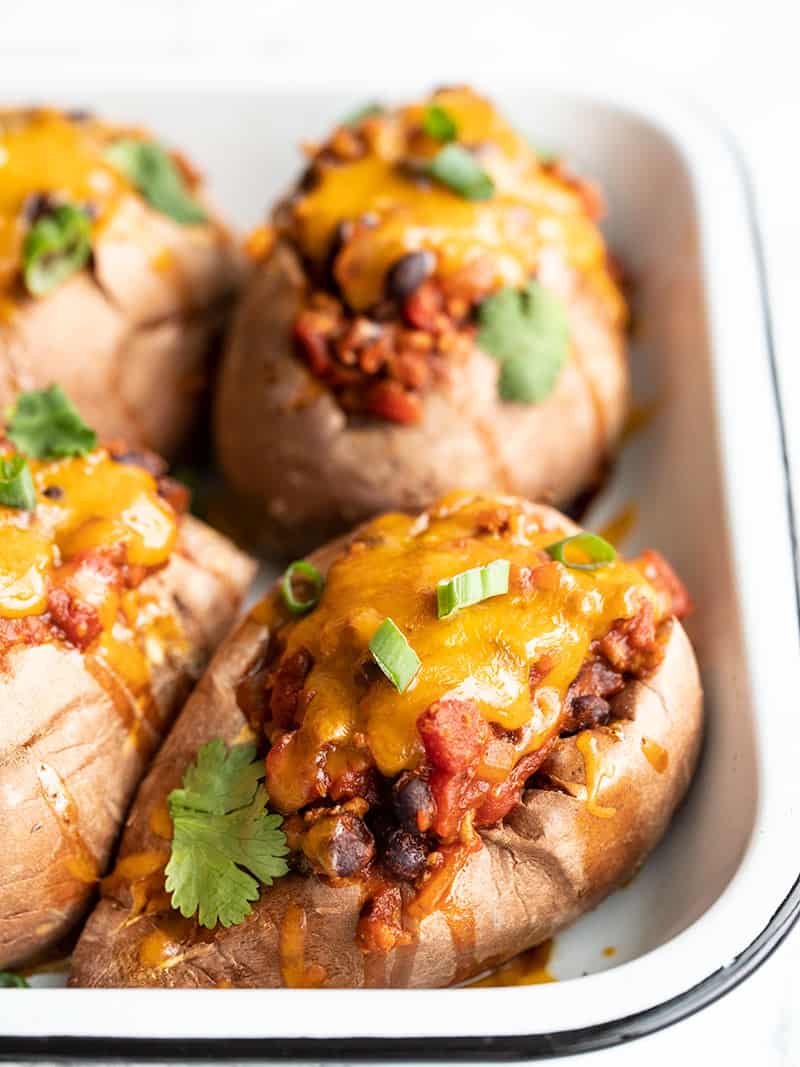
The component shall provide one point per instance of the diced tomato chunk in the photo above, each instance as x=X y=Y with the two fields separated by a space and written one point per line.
x=661 y=575
x=454 y=734
x=390 y=401
x=424 y=306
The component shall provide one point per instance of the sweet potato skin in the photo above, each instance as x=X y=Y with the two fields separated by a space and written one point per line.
x=327 y=472
x=132 y=339
x=548 y=862
x=73 y=749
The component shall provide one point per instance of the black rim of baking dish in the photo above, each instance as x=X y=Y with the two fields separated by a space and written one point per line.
x=507 y=1047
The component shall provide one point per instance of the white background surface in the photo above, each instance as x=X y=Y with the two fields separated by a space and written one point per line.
x=740 y=61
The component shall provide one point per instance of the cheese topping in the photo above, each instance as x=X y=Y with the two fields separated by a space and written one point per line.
x=42 y=151
x=532 y=209
x=95 y=503
x=484 y=653
x=101 y=504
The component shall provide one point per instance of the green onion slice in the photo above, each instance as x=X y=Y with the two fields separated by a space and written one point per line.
x=439 y=124
x=56 y=247
x=16 y=484
x=456 y=168
x=394 y=655
x=599 y=551
x=153 y=171
x=301 y=568
x=471 y=587
x=366 y=111
x=8 y=980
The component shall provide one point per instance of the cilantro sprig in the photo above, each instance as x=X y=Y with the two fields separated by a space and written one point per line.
x=45 y=424
x=16 y=484
x=366 y=111
x=222 y=831
x=527 y=331
x=153 y=171
x=56 y=246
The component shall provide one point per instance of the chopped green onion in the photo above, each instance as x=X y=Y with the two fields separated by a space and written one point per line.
x=471 y=587
x=439 y=124
x=153 y=171
x=44 y=423
x=394 y=655
x=8 y=980
x=56 y=247
x=366 y=111
x=545 y=156
x=456 y=168
x=305 y=570
x=599 y=551
x=16 y=484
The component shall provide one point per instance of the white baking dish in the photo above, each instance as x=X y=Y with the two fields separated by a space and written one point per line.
x=709 y=482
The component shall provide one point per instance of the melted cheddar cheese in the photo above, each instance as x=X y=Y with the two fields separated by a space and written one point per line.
x=102 y=504
x=482 y=653
x=43 y=151
x=94 y=503
x=531 y=210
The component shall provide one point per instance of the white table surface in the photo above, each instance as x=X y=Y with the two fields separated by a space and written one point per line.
x=739 y=61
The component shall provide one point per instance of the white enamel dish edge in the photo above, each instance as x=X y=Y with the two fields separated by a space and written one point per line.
x=710 y=488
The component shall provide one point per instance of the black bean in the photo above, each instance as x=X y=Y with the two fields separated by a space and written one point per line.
x=36 y=205
x=149 y=461
x=408 y=273
x=351 y=846
x=413 y=803
x=588 y=711
x=309 y=179
x=404 y=855
x=53 y=492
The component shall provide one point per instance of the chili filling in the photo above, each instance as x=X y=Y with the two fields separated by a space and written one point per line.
x=398 y=262
x=385 y=785
x=72 y=566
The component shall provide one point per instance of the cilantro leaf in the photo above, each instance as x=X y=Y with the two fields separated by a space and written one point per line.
x=366 y=111
x=16 y=484
x=56 y=247
x=8 y=980
x=153 y=171
x=220 y=780
x=44 y=423
x=527 y=331
x=221 y=826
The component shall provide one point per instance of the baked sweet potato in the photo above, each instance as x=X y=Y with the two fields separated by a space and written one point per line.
x=436 y=826
x=407 y=334
x=116 y=278
x=111 y=602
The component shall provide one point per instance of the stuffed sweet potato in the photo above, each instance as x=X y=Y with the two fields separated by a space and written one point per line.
x=111 y=600
x=436 y=310
x=115 y=276
x=474 y=724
